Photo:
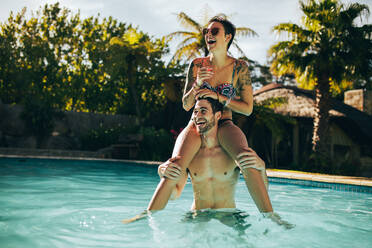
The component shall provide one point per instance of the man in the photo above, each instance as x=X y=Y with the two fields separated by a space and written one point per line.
x=214 y=174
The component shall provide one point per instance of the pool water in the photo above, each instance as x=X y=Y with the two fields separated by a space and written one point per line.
x=65 y=203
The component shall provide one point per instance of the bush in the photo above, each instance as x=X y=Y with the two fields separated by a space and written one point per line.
x=102 y=137
x=157 y=145
x=39 y=119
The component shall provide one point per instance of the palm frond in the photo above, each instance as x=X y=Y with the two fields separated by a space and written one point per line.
x=353 y=11
x=187 y=22
x=181 y=34
x=186 y=42
x=239 y=49
x=189 y=51
x=293 y=30
x=245 y=32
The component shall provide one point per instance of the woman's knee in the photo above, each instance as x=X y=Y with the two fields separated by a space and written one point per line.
x=187 y=143
x=233 y=139
x=188 y=133
x=230 y=131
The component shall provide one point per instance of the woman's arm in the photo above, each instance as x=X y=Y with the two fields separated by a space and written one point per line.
x=196 y=75
x=188 y=99
x=244 y=105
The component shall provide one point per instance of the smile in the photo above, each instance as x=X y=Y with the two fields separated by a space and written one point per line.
x=200 y=122
x=211 y=42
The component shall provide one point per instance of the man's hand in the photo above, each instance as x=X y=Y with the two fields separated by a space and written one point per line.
x=169 y=169
x=140 y=216
x=250 y=159
x=278 y=220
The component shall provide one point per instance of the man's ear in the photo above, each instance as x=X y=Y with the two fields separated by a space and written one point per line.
x=218 y=115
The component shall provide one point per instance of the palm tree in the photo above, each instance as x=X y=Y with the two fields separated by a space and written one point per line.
x=130 y=52
x=328 y=49
x=193 y=43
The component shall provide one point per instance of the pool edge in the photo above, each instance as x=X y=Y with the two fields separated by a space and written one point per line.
x=271 y=173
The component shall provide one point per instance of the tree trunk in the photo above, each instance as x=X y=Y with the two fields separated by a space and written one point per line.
x=321 y=119
x=132 y=88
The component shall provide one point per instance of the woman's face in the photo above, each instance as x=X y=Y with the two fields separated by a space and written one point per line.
x=215 y=37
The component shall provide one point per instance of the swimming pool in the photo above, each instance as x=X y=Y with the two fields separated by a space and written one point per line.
x=68 y=203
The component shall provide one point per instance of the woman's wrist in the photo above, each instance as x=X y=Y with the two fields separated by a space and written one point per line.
x=222 y=99
x=195 y=85
x=218 y=96
x=195 y=88
x=225 y=100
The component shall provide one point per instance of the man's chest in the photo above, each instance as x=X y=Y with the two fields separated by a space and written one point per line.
x=212 y=164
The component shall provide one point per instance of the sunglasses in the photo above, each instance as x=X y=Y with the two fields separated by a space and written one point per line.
x=214 y=31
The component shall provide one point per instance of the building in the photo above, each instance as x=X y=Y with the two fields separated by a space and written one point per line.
x=350 y=128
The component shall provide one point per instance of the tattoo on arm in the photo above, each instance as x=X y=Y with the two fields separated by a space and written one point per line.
x=244 y=75
x=190 y=79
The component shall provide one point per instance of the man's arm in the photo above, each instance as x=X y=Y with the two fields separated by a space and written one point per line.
x=251 y=164
x=250 y=159
x=173 y=171
x=253 y=170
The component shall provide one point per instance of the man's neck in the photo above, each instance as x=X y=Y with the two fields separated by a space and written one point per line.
x=210 y=139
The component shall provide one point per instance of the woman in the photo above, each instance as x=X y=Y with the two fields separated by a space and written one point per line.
x=225 y=79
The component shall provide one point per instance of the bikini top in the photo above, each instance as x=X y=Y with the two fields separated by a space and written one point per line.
x=226 y=89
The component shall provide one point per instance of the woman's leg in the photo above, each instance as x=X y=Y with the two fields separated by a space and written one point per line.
x=233 y=140
x=187 y=145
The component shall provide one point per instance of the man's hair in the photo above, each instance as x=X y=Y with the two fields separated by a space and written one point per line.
x=216 y=105
x=227 y=25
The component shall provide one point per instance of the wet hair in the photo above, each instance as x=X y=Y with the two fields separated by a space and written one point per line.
x=216 y=105
x=227 y=25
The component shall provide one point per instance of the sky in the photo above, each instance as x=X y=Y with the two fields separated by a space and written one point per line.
x=157 y=17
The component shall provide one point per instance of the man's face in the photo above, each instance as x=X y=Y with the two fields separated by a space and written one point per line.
x=203 y=116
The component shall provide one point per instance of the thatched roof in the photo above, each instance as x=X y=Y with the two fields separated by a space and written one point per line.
x=301 y=103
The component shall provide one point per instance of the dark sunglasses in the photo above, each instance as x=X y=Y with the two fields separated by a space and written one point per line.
x=214 y=31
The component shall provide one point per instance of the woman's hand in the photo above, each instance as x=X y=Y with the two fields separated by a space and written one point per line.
x=169 y=169
x=204 y=93
x=204 y=73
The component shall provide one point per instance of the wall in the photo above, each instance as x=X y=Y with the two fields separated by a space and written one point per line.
x=13 y=132
x=359 y=99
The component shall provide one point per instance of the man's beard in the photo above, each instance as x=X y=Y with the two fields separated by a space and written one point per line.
x=207 y=126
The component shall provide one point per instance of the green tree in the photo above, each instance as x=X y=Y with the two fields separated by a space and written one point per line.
x=33 y=74
x=193 y=43
x=329 y=49
x=55 y=61
x=136 y=59
x=92 y=87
